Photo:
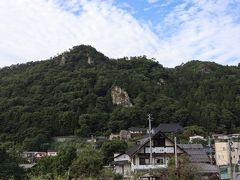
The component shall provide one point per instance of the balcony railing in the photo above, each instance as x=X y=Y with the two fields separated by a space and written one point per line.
x=148 y=167
x=160 y=150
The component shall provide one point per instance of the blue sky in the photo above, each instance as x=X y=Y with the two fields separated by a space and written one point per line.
x=171 y=31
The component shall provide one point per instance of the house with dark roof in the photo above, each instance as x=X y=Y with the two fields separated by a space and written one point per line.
x=196 y=153
x=201 y=161
x=169 y=128
x=137 y=158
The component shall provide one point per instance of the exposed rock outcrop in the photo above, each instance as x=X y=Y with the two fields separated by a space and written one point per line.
x=120 y=97
x=90 y=61
x=62 y=60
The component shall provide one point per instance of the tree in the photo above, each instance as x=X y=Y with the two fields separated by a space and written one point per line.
x=110 y=147
x=185 y=170
x=89 y=163
x=191 y=131
x=45 y=166
x=65 y=157
x=9 y=166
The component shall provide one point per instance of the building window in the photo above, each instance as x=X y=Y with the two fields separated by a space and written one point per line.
x=144 y=161
x=223 y=148
x=159 y=161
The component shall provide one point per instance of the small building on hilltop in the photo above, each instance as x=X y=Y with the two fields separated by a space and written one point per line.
x=136 y=131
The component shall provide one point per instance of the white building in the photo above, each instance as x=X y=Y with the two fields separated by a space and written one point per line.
x=224 y=146
x=191 y=138
x=138 y=157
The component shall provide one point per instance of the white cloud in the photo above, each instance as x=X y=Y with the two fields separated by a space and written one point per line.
x=37 y=29
x=201 y=29
x=197 y=29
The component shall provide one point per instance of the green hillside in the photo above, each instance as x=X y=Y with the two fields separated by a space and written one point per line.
x=71 y=94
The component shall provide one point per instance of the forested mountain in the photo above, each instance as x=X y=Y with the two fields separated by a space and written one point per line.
x=71 y=94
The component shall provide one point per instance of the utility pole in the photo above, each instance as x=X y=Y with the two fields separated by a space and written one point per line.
x=230 y=158
x=210 y=149
x=175 y=150
x=150 y=138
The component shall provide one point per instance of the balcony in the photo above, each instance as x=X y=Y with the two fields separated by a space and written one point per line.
x=160 y=150
x=148 y=167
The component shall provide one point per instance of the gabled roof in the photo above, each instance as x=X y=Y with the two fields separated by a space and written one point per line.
x=135 y=149
x=157 y=132
x=196 y=153
x=191 y=146
x=132 y=150
x=169 y=128
x=206 y=168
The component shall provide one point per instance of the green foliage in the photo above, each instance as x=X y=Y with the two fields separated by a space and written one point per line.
x=45 y=166
x=9 y=166
x=192 y=131
x=52 y=167
x=110 y=147
x=185 y=170
x=39 y=100
x=64 y=159
x=89 y=163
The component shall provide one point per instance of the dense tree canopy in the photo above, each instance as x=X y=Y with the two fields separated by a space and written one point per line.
x=9 y=166
x=110 y=147
x=65 y=95
x=88 y=164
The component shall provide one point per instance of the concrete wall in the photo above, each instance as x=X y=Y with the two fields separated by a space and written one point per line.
x=221 y=153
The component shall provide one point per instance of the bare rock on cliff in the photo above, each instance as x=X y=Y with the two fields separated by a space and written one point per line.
x=63 y=60
x=120 y=97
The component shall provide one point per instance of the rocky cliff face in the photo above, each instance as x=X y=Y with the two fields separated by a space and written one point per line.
x=63 y=60
x=120 y=97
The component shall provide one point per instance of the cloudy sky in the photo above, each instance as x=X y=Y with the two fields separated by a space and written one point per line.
x=172 y=31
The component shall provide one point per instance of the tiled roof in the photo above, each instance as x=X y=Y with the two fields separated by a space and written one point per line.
x=206 y=168
x=196 y=153
x=132 y=150
x=169 y=128
x=191 y=146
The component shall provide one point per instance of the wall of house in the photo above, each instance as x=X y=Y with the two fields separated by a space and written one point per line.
x=124 y=170
x=136 y=161
x=118 y=169
x=127 y=170
x=168 y=143
x=123 y=157
x=221 y=153
x=235 y=152
x=155 y=159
